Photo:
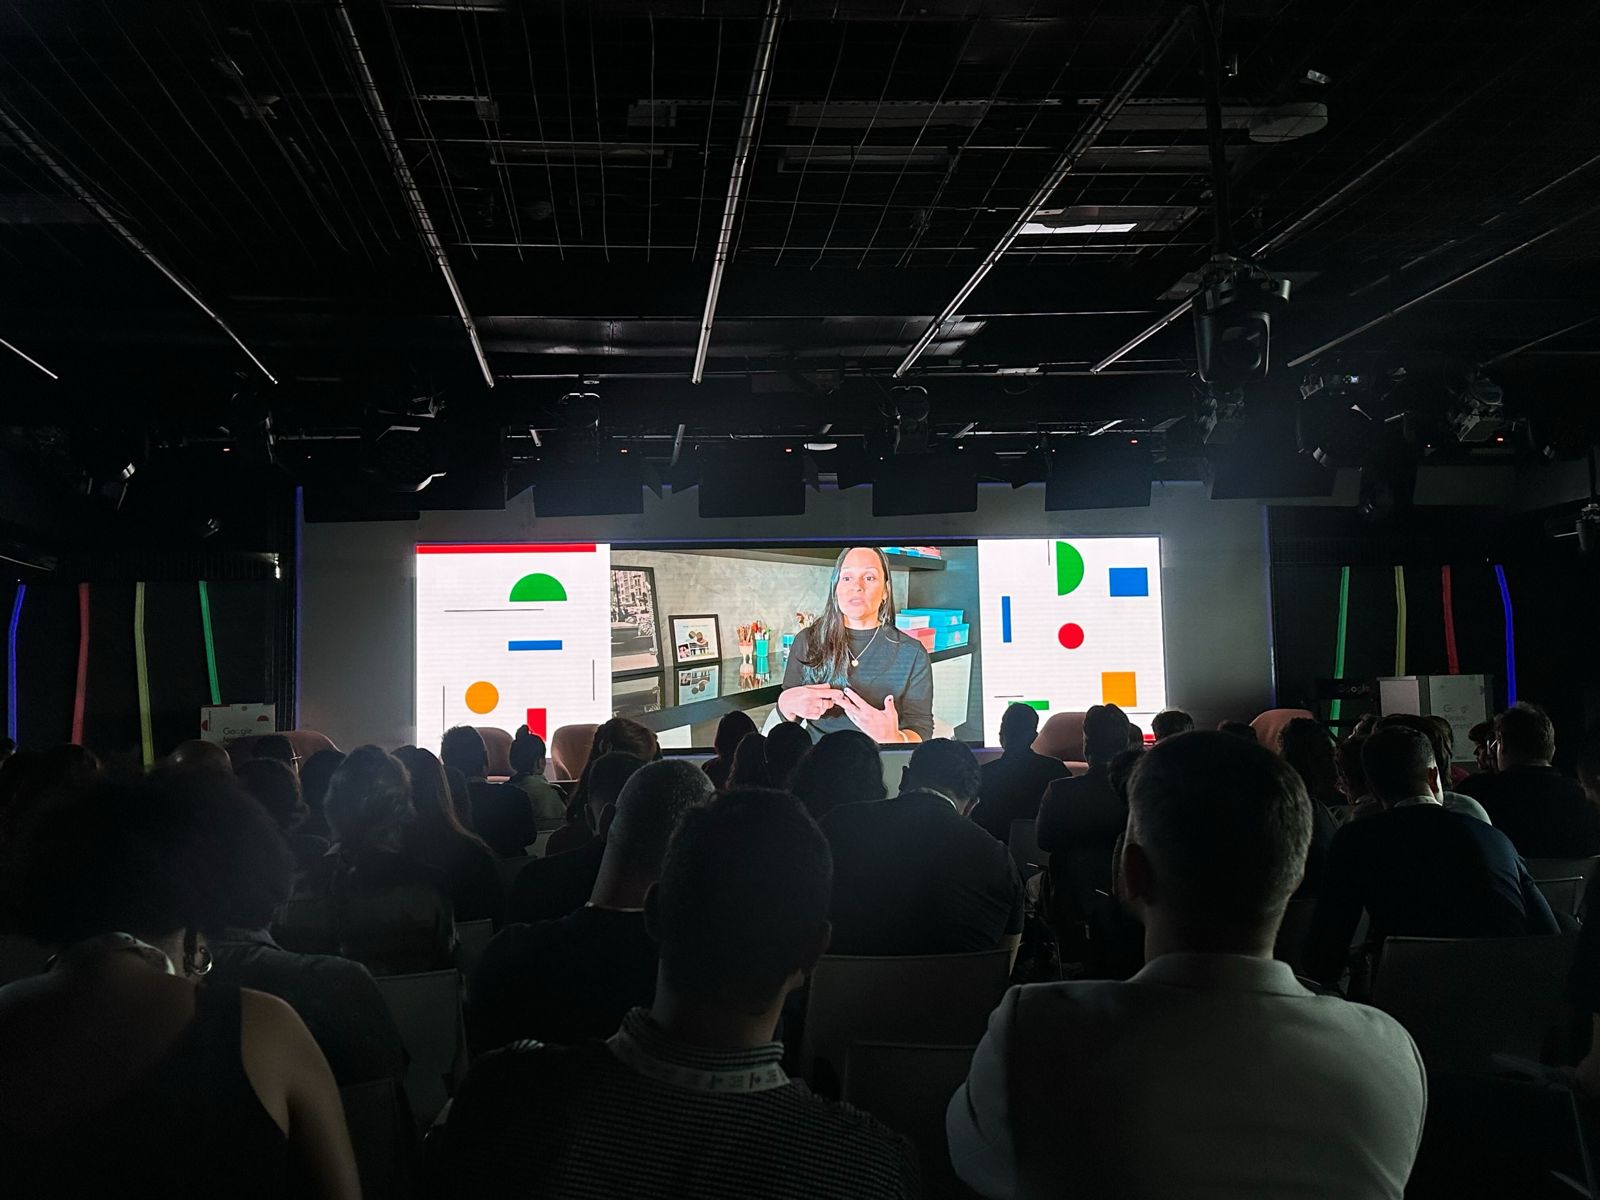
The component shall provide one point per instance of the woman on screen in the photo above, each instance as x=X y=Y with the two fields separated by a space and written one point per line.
x=851 y=668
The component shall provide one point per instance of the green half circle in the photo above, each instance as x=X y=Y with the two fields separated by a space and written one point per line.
x=537 y=586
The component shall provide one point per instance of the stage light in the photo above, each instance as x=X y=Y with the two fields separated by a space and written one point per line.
x=1233 y=313
x=1089 y=473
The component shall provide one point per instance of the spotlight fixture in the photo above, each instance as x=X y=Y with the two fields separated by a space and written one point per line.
x=1233 y=313
x=908 y=411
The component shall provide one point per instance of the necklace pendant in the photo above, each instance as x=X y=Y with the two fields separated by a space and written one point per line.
x=855 y=662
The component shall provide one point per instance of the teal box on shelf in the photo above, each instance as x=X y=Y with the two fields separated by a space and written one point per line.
x=924 y=618
x=947 y=636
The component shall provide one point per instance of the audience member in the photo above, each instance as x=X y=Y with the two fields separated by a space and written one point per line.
x=618 y=735
x=1583 y=985
x=502 y=815
x=787 y=744
x=1135 y=737
x=315 y=773
x=911 y=876
x=1542 y=811
x=1429 y=728
x=602 y=784
x=277 y=789
x=124 y=1070
x=1081 y=819
x=1416 y=869
x=1352 y=779
x=1012 y=784
x=750 y=764
x=201 y=755
x=559 y=883
x=277 y=748
x=1481 y=736
x=1212 y=1072
x=842 y=768
x=1443 y=738
x=689 y=1097
x=1239 y=729
x=367 y=899
x=1171 y=723
x=527 y=772
x=575 y=978
x=1307 y=747
x=731 y=731
x=435 y=836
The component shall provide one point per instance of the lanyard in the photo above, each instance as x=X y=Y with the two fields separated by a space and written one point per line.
x=761 y=1078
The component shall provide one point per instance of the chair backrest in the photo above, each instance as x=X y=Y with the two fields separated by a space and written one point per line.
x=1563 y=895
x=936 y=999
x=569 y=749
x=908 y=1088
x=1270 y=724
x=427 y=1010
x=1566 y=868
x=536 y=847
x=306 y=742
x=1024 y=845
x=383 y=1136
x=1467 y=999
x=1293 y=931
x=1061 y=736
x=498 y=743
x=471 y=938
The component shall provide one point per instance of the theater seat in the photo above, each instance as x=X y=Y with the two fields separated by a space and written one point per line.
x=498 y=743
x=569 y=750
x=1270 y=723
x=908 y=1088
x=306 y=742
x=427 y=1009
x=1061 y=737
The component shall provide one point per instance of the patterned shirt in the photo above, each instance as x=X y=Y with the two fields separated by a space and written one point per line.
x=645 y=1116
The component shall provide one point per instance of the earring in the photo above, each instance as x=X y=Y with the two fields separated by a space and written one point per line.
x=197 y=960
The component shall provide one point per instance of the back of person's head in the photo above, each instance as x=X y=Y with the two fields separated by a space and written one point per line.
x=750 y=763
x=742 y=903
x=731 y=732
x=944 y=766
x=607 y=778
x=1105 y=733
x=1019 y=725
x=462 y=748
x=1239 y=729
x=842 y=768
x=1308 y=748
x=1225 y=826
x=1526 y=735
x=315 y=773
x=1366 y=726
x=276 y=788
x=177 y=850
x=369 y=799
x=1135 y=737
x=1444 y=739
x=1426 y=727
x=1398 y=762
x=527 y=753
x=276 y=747
x=1120 y=772
x=198 y=755
x=1171 y=723
x=1352 y=778
x=620 y=735
x=66 y=764
x=433 y=806
x=786 y=745
x=651 y=803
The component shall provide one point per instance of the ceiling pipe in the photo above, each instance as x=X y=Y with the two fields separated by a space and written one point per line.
x=1384 y=317
x=1105 y=112
x=27 y=358
x=408 y=184
x=755 y=102
x=88 y=199
x=1539 y=341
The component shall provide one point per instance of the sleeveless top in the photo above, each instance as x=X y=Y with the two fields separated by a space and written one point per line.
x=191 y=1126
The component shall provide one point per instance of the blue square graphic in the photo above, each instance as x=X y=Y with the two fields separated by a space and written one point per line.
x=1130 y=581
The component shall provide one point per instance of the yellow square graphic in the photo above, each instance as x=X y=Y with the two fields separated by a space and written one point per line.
x=1120 y=688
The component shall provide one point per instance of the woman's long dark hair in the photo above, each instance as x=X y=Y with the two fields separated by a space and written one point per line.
x=827 y=654
x=433 y=804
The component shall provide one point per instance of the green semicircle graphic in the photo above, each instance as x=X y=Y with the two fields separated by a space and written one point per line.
x=537 y=586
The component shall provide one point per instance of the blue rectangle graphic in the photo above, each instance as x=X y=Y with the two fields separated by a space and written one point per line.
x=1130 y=581
x=1005 y=618
x=535 y=644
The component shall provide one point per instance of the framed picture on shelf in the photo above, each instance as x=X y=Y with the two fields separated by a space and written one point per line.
x=699 y=683
x=695 y=639
x=635 y=627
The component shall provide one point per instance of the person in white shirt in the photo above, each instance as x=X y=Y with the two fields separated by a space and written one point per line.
x=1211 y=1072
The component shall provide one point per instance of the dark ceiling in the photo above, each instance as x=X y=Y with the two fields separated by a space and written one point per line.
x=572 y=163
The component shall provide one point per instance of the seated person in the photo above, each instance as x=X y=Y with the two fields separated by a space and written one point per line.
x=1012 y=785
x=127 y=1069
x=1415 y=868
x=1170 y=723
x=1542 y=811
x=502 y=815
x=277 y=789
x=731 y=730
x=689 y=1097
x=786 y=745
x=436 y=837
x=616 y=736
x=199 y=754
x=527 y=772
x=560 y=882
x=1429 y=728
x=1308 y=748
x=912 y=876
x=368 y=899
x=1081 y=819
x=1211 y=1072
x=843 y=767
x=575 y=978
